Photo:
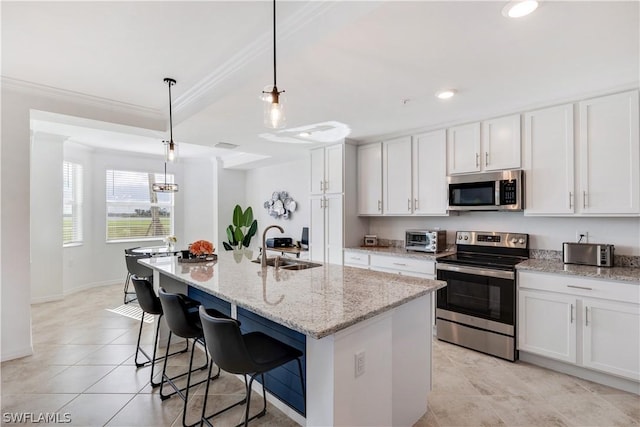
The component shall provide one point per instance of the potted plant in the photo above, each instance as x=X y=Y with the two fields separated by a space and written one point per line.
x=242 y=230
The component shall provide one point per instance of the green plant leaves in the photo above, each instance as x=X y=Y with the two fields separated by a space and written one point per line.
x=238 y=217
x=236 y=231
x=230 y=236
x=247 y=217
x=238 y=234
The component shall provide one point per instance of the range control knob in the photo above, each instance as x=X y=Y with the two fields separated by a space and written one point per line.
x=460 y=237
x=521 y=240
x=466 y=237
x=514 y=240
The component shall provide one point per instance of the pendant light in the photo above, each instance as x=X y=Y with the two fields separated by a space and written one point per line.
x=273 y=107
x=170 y=150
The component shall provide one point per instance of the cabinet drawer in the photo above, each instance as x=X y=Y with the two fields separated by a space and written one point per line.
x=404 y=264
x=356 y=259
x=580 y=286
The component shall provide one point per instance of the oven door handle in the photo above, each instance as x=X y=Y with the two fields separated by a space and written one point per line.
x=500 y=274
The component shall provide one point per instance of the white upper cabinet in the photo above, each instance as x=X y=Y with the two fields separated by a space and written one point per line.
x=609 y=153
x=548 y=161
x=501 y=143
x=429 y=173
x=396 y=177
x=496 y=148
x=369 y=179
x=326 y=170
x=463 y=149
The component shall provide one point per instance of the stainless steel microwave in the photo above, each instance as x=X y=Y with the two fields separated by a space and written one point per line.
x=490 y=191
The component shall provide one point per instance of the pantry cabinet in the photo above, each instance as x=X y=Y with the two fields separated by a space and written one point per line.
x=587 y=322
x=609 y=155
x=592 y=173
x=369 y=179
x=326 y=228
x=326 y=170
x=488 y=146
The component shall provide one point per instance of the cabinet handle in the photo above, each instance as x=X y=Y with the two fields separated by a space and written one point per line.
x=321 y=185
x=400 y=264
x=326 y=203
x=584 y=199
x=570 y=204
x=586 y=316
x=486 y=158
x=477 y=160
x=321 y=204
x=571 y=313
x=380 y=205
x=326 y=186
x=415 y=204
x=409 y=205
x=580 y=287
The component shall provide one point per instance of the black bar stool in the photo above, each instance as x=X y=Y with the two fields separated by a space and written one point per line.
x=150 y=303
x=184 y=322
x=135 y=269
x=249 y=354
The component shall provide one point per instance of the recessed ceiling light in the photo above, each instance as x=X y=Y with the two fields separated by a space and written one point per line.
x=304 y=134
x=446 y=93
x=519 y=8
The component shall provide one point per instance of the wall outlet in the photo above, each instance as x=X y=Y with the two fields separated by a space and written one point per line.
x=582 y=236
x=359 y=363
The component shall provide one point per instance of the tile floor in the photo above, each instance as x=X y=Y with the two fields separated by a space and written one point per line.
x=83 y=365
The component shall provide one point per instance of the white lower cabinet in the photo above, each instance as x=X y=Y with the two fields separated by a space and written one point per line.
x=587 y=322
x=325 y=240
x=405 y=266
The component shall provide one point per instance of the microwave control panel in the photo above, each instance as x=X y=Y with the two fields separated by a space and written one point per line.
x=508 y=192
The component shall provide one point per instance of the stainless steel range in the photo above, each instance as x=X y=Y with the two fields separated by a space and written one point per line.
x=477 y=308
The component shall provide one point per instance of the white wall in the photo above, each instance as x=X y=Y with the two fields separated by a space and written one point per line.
x=292 y=177
x=545 y=233
x=46 y=200
x=198 y=191
x=15 y=245
x=230 y=192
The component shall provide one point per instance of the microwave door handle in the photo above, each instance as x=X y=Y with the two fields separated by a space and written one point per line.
x=497 y=195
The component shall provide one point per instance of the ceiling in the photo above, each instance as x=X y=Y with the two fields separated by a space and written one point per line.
x=371 y=67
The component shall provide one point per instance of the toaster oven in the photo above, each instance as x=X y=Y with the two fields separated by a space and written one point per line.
x=425 y=240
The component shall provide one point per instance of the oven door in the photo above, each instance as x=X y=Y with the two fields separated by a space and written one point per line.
x=479 y=293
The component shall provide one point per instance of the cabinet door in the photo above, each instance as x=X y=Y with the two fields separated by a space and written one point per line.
x=547 y=324
x=611 y=337
x=609 y=155
x=463 y=149
x=333 y=169
x=501 y=143
x=333 y=228
x=317 y=171
x=548 y=159
x=317 y=228
x=430 y=173
x=396 y=177
x=370 y=179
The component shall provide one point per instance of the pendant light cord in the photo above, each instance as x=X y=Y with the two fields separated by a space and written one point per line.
x=170 y=114
x=274 y=44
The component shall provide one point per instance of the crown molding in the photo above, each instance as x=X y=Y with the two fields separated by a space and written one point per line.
x=37 y=89
x=295 y=23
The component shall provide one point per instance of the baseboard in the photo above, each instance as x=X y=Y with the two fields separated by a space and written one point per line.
x=84 y=287
x=17 y=354
x=580 y=372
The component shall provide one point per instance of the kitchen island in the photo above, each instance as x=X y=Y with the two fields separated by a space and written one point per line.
x=338 y=315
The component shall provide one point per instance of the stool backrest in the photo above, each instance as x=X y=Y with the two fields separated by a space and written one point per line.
x=177 y=315
x=136 y=269
x=147 y=298
x=226 y=344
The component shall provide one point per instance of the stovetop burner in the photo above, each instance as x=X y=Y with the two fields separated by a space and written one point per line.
x=496 y=250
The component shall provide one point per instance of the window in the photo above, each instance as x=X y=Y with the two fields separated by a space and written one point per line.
x=134 y=211
x=71 y=203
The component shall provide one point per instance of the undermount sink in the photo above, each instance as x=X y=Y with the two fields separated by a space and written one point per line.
x=289 y=264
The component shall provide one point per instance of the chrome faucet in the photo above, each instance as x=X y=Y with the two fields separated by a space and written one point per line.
x=263 y=259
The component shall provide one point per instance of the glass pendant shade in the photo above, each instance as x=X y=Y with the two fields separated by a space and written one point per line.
x=165 y=187
x=274 y=117
x=170 y=151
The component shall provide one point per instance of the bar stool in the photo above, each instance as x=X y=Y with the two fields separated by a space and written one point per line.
x=150 y=304
x=249 y=354
x=135 y=269
x=184 y=322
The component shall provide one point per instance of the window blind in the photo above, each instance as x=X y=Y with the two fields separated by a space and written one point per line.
x=71 y=203
x=134 y=210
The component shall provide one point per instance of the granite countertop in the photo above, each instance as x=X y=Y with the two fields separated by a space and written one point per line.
x=626 y=274
x=396 y=251
x=316 y=302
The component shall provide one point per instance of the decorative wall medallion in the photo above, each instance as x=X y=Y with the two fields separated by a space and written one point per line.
x=280 y=205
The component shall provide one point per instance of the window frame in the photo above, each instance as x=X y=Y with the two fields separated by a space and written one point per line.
x=76 y=171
